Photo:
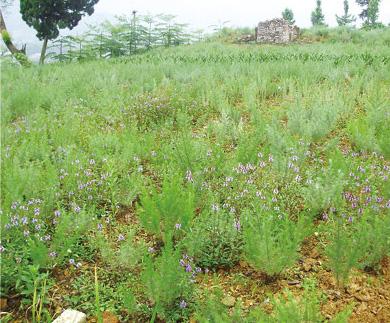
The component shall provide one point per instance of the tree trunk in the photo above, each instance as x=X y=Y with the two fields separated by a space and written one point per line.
x=19 y=54
x=43 y=52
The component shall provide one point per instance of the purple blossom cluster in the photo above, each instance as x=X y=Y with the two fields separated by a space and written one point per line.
x=188 y=264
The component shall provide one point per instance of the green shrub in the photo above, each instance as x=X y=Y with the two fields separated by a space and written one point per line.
x=160 y=213
x=296 y=310
x=356 y=243
x=167 y=284
x=214 y=240
x=272 y=241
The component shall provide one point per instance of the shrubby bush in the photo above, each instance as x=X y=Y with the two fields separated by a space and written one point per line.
x=271 y=240
x=215 y=240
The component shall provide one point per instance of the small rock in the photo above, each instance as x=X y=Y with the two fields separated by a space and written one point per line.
x=71 y=316
x=229 y=301
x=108 y=317
x=294 y=282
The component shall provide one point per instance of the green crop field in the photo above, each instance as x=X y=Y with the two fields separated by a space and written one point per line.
x=202 y=183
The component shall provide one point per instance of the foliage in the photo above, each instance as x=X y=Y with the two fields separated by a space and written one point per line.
x=215 y=240
x=287 y=308
x=163 y=213
x=356 y=243
x=370 y=12
x=271 y=242
x=167 y=283
x=47 y=17
x=126 y=36
x=288 y=15
x=346 y=18
x=317 y=17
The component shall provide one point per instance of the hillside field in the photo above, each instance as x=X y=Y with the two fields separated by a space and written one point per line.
x=203 y=183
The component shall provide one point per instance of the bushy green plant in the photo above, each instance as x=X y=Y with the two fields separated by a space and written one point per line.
x=325 y=190
x=374 y=232
x=211 y=309
x=167 y=284
x=344 y=249
x=288 y=308
x=164 y=213
x=215 y=240
x=272 y=241
x=127 y=254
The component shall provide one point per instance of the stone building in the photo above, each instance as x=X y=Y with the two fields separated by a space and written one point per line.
x=277 y=31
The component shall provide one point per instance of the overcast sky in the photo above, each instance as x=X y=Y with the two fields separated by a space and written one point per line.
x=200 y=13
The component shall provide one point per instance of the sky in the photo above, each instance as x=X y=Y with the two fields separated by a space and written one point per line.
x=199 y=14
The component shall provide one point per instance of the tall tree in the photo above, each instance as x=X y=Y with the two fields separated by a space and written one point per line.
x=48 y=16
x=317 y=17
x=370 y=11
x=288 y=15
x=346 y=18
x=373 y=13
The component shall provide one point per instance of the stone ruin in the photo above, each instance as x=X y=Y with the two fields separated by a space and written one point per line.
x=277 y=31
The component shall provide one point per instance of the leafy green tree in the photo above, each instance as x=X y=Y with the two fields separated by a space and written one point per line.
x=317 y=17
x=370 y=11
x=48 y=16
x=288 y=15
x=346 y=18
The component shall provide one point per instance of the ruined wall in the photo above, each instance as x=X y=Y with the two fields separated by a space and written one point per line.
x=276 y=31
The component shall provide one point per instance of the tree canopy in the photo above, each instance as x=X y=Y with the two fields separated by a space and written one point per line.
x=346 y=18
x=48 y=16
x=317 y=17
x=288 y=15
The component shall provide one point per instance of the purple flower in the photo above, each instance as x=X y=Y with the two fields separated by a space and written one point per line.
x=57 y=213
x=26 y=233
x=77 y=209
x=182 y=262
x=215 y=207
x=24 y=220
x=53 y=254
x=72 y=262
x=121 y=237
x=366 y=189
x=325 y=216
x=183 y=304
x=188 y=268
x=36 y=211
x=350 y=219
x=178 y=226
x=100 y=226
